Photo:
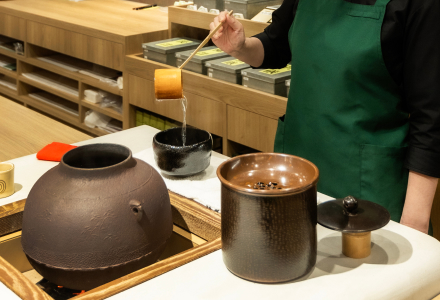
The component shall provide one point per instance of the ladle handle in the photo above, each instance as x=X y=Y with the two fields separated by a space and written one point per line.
x=204 y=42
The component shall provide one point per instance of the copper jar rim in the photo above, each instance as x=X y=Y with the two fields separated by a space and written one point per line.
x=271 y=192
x=125 y=152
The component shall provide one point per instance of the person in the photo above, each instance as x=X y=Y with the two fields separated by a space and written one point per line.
x=364 y=101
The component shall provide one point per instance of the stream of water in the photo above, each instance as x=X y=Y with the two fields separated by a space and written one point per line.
x=184 y=105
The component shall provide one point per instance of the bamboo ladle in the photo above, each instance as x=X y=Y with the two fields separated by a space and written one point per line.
x=168 y=82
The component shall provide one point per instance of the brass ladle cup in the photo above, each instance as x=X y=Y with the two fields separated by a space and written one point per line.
x=168 y=82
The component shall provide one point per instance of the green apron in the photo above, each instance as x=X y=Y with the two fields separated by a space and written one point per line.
x=344 y=111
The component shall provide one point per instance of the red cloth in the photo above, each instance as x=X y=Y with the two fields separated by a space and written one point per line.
x=54 y=151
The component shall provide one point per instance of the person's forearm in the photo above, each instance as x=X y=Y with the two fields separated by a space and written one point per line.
x=419 y=196
x=252 y=52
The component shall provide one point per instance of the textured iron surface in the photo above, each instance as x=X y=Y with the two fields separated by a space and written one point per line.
x=175 y=159
x=79 y=229
x=269 y=233
x=269 y=239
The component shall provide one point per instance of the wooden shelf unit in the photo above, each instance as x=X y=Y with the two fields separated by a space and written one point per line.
x=50 y=109
x=101 y=40
x=238 y=114
x=26 y=85
x=6 y=90
x=101 y=85
x=52 y=68
x=104 y=110
x=10 y=53
x=5 y=71
x=9 y=73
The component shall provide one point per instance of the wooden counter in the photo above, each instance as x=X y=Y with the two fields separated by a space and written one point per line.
x=99 y=23
x=24 y=131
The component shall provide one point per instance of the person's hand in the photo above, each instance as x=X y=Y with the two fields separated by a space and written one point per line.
x=230 y=37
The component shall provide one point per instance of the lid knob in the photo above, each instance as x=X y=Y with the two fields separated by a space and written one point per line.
x=350 y=204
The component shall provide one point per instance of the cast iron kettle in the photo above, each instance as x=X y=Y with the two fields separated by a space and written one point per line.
x=100 y=214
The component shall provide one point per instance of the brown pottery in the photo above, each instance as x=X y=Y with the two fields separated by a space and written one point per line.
x=100 y=214
x=269 y=216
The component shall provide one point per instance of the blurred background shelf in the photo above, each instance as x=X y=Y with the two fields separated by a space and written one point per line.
x=101 y=85
x=57 y=45
x=51 y=110
x=104 y=110
x=48 y=88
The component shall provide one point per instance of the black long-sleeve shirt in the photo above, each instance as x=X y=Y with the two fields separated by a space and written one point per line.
x=410 y=40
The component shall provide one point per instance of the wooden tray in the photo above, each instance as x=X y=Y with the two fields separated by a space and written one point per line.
x=192 y=221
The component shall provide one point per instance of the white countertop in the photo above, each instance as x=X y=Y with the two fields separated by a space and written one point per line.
x=404 y=263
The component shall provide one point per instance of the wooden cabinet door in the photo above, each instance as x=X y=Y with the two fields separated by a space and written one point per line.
x=251 y=129
x=98 y=51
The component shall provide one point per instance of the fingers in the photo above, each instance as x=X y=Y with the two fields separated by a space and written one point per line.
x=218 y=34
x=216 y=21
x=211 y=26
x=232 y=21
x=219 y=31
x=222 y=16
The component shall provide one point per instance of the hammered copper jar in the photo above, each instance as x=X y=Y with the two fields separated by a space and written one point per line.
x=269 y=216
x=98 y=215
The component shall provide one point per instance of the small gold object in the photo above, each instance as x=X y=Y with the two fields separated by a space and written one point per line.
x=6 y=179
x=356 y=245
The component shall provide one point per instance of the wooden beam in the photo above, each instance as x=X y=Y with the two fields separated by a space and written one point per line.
x=195 y=217
x=11 y=216
x=159 y=268
x=19 y=284
x=192 y=18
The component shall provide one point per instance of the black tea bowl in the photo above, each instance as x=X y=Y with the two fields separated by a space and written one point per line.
x=177 y=160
